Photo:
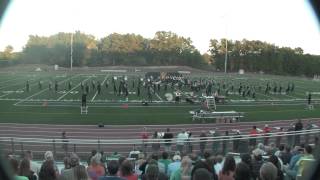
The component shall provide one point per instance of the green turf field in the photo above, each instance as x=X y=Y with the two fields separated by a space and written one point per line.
x=42 y=105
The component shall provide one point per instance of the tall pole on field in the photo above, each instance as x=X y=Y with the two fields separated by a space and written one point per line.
x=71 y=51
x=226 y=57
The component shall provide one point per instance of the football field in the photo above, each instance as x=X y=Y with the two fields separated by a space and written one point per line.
x=42 y=102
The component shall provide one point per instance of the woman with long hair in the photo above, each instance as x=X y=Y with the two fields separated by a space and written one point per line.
x=47 y=171
x=228 y=169
x=126 y=171
x=25 y=170
x=184 y=172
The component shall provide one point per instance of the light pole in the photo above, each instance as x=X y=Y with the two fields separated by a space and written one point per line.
x=226 y=57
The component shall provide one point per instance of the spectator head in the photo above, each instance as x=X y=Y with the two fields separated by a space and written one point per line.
x=126 y=168
x=254 y=127
x=186 y=165
x=229 y=165
x=281 y=147
x=260 y=146
x=113 y=167
x=219 y=158
x=152 y=172
x=246 y=158
x=165 y=155
x=242 y=171
x=47 y=171
x=201 y=174
x=48 y=156
x=308 y=149
x=155 y=156
x=96 y=159
x=74 y=160
x=28 y=155
x=268 y=171
x=288 y=149
x=93 y=152
x=206 y=154
x=176 y=158
x=257 y=154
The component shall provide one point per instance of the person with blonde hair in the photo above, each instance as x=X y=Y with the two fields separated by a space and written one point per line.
x=184 y=172
x=95 y=169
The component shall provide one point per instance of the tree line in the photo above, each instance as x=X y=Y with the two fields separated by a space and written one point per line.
x=165 y=48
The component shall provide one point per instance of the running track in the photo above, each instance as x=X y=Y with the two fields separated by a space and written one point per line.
x=112 y=132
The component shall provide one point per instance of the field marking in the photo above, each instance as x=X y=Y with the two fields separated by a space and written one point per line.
x=11 y=80
x=41 y=91
x=73 y=88
x=101 y=87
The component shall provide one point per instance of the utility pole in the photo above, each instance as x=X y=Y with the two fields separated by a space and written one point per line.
x=226 y=57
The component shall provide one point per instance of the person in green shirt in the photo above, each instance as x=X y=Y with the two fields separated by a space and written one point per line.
x=165 y=161
x=184 y=172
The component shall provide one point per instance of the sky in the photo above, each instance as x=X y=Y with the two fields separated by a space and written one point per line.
x=289 y=23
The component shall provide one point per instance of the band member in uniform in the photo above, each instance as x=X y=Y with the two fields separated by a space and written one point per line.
x=99 y=87
x=50 y=85
x=309 y=99
x=56 y=86
x=27 y=86
x=84 y=100
x=87 y=88
x=40 y=85
x=70 y=85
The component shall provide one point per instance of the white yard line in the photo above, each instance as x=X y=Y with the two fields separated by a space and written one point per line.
x=101 y=86
x=11 y=80
x=42 y=91
x=72 y=89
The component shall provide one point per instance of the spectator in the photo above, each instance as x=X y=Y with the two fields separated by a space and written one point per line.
x=216 y=143
x=293 y=167
x=279 y=137
x=15 y=167
x=308 y=127
x=203 y=141
x=161 y=175
x=225 y=143
x=253 y=133
x=93 y=152
x=286 y=155
x=48 y=155
x=152 y=173
x=168 y=136
x=189 y=146
x=156 y=144
x=35 y=167
x=236 y=141
x=257 y=162
x=202 y=164
x=242 y=172
x=66 y=162
x=246 y=158
x=126 y=171
x=144 y=137
x=25 y=170
x=268 y=171
x=201 y=174
x=275 y=161
x=181 y=139
x=80 y=173
x=266 y=131
x=280 y=150
x=95 y=169
x=298 y=127
x=290 y=138
x=48 y=171
x=165 y=161
x=64 y=143
x=175 y=165
x=228 y=169
x=218 y=165
x=184 y=172
x=113 y=167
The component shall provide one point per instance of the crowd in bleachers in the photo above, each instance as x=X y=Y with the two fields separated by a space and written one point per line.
x=263 y=160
